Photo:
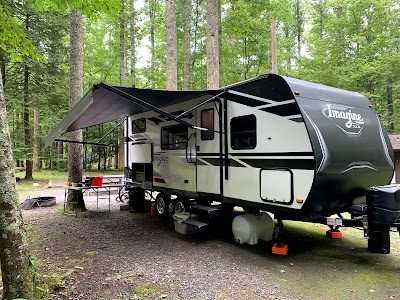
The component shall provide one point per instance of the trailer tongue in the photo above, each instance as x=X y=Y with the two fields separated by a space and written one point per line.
x=297 y=150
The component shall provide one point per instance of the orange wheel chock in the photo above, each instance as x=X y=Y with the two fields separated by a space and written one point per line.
x=281 y=250
x=334 y=234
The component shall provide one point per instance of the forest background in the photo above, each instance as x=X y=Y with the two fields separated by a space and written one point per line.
x=349 y=44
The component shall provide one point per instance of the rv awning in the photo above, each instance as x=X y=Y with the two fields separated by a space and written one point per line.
x=267 y=92
x=105 y=103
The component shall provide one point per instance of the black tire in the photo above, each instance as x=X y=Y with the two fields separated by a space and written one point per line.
x=181 y=205
x=162 y=205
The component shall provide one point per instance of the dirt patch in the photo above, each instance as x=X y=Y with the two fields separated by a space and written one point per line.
x=122 y=255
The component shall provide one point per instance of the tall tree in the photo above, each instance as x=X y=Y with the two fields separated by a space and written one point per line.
x=186 y=44
x=75 y=150
x=213 y=42
x=171 y=51
x=36 y=137
x=16 y=271
x=132 y=22
x=27 y=129
x=122 y=76
x=27 y=107
x=152 y=13
x=274 y=50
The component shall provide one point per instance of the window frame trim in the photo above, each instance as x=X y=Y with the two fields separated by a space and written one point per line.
x=255 y=133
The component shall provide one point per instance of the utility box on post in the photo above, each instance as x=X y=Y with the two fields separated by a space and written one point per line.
x=383 y=209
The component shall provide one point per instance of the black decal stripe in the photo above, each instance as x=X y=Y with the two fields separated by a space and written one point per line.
x=245 y=101
x=284 y=110
x=303 y=164
x=200 y=163
x=216 y=162
x=261 y=154
x=298 y=120
x=274 y=154
x=156 y=120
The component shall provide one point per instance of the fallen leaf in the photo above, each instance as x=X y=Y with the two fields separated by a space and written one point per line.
x=351 y=290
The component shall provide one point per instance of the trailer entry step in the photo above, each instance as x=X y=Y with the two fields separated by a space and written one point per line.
x=203 y=208
x=197 y=224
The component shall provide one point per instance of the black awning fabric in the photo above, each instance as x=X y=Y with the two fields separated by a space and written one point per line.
x=104 y=103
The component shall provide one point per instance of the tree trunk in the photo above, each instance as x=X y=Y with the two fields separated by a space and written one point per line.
x=212 y=43
x=60 y=153
x=389 y=95
x=75 y=151
x=152 y=44
x=122 y=45
x=133 y=42
x=187 y=31
x=2 y=67
x=299 y=25
x=37 y=161
x=171 y=51
x=99 y=159
x=16 y=269
x=274 y=56
x=195 y=30
x=27 y=129
x=288 y=50
x=121 y=148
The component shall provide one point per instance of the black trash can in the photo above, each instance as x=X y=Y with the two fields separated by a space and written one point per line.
x=379 y=241
x=136 y=200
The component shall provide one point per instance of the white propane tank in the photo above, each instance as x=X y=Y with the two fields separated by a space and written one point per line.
x=249 y=228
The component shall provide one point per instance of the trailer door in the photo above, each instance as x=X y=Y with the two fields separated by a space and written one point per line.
x=209 y=159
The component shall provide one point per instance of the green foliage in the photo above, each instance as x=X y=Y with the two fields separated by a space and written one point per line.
x=13 y=39
x=41 y=289
x=89 y=8
x=347 y=44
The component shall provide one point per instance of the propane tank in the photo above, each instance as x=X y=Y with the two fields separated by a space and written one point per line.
x=153 y=209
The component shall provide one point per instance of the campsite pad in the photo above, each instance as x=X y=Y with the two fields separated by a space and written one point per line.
x=116 y=254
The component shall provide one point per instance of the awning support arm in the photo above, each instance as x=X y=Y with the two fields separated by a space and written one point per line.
x=116 y=126
x=83 y=143
x=144 y=104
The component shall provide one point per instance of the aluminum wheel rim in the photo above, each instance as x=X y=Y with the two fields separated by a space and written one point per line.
x=161 y=206
x=179 y=207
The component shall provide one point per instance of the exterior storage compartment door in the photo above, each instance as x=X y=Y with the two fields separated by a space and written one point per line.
x=276 y=185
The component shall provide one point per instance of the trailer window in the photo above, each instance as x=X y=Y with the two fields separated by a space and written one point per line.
x=174 y=137
x=243 y=132
x=138 y=126
x=207 y=121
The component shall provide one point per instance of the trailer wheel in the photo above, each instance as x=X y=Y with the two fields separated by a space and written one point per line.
x=162 y=205
x=181 y=205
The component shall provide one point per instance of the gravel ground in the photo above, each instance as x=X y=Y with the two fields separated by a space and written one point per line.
x=117 y=254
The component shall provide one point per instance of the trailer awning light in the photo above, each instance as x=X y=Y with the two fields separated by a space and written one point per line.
x=299 y=200
x=297 y=93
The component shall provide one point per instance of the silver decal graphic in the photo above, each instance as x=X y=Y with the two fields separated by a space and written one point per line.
x=322 y=144
x=344 y=117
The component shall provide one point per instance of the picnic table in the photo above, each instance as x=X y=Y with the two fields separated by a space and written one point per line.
x=96 y=189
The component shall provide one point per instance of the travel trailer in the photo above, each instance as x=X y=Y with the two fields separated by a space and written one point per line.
x=295 y=149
